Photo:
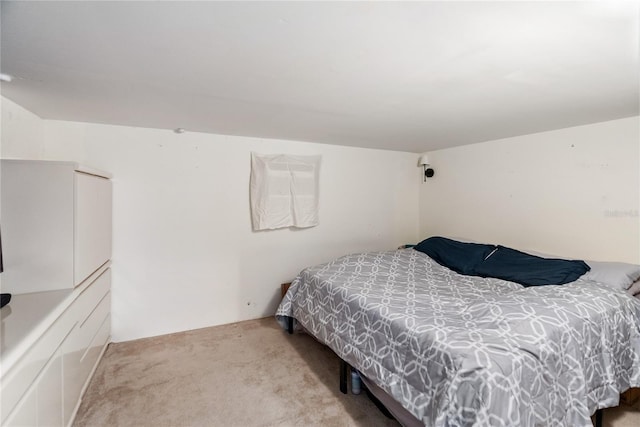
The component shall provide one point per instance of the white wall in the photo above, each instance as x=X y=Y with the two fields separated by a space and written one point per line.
x=570 y=192
x=21 y=132
x=184 y=254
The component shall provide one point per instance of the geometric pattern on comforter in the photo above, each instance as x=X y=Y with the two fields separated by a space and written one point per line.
x=459 y=350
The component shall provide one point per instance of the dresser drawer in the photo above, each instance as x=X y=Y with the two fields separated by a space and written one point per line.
x=91 y=297
x=25 y=371
x=26 y=413
x=69 y=337
x=77 y=350
x=78 y=364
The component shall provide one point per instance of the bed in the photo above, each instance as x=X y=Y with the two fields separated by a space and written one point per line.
x=461 y=350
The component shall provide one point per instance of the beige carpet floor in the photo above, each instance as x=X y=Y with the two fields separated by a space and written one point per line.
x=244 y=374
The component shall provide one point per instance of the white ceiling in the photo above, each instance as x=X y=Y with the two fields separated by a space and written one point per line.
x=412 y=76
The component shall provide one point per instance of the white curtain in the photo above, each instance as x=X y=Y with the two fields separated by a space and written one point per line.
x=284 y=191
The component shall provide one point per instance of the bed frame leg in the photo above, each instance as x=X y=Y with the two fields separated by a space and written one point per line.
x=344 y=372
x=290 y=325
x=598 y=418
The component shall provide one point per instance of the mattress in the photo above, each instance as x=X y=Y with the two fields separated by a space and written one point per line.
x=461 y=350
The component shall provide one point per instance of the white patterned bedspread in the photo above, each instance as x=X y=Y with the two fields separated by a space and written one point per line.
x=458 y=350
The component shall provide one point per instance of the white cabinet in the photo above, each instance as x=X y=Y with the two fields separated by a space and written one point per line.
x=92 y=224
x=56 y=237
x=25 y=413
x=83 y=346
x=43 y=378
x=56 y=224
x=49 y=397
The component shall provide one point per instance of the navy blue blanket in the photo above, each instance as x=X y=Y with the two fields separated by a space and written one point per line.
x=457 y=256
x=474 y=259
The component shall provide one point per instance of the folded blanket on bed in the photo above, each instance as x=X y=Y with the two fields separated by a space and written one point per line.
x=460 y=257
x=500 y=262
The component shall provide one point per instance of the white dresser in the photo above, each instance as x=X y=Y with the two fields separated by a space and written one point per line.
x=56 y=238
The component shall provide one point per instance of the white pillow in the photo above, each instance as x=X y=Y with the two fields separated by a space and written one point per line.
x=617 y=274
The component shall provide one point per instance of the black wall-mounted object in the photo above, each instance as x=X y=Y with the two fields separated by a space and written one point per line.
x=428 y=173
x=4 y=298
